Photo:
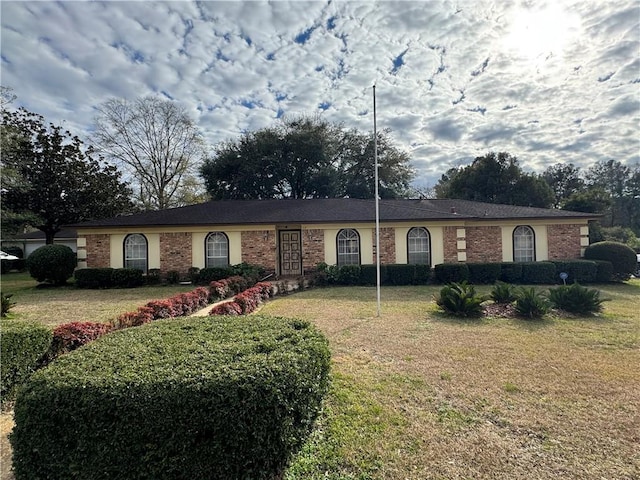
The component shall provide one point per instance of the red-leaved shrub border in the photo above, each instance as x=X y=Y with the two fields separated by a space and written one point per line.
x=226 y=308
x=69 y=336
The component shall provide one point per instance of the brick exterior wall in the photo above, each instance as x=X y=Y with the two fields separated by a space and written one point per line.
x=175 y=252
x=484 y=244
x=387 y=245
x=564 y=241
x=258 y=250
x=450 y=238
x=98 y=250
x=312 y=248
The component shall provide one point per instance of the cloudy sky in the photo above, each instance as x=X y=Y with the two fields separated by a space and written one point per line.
x=546 y=80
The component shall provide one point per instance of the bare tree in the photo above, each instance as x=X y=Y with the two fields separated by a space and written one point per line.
x=155 y=142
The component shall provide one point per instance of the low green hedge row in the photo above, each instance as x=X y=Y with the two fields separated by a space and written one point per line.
x=548 y=272
x=230 y=397
x=24 y=345
x=108 y=278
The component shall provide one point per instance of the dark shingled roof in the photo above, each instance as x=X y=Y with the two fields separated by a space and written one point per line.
x=328 y=210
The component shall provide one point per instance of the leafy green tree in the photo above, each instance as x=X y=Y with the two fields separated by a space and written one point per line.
x=51 y=179
x=621 y=182
x=593 y=200
x=495 y=178
x=564 y=180
x=305 y=158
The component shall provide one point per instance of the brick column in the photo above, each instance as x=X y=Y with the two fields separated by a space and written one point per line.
x=98 y=250
x=312 y=248
x=175 y=252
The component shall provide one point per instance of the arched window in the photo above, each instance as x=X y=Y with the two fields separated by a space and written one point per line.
x=217 y=250
x=418 y=247
x=348 y=247
x=524 y=244
x=135 y=252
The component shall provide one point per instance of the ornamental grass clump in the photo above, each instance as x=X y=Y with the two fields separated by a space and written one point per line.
x=224 y=397
x=576 y=299
x=461 y=300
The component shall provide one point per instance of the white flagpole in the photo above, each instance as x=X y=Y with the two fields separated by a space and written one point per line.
x=375 y=156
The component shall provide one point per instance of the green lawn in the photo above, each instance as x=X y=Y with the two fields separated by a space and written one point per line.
x=53 y=306
x=418 y=395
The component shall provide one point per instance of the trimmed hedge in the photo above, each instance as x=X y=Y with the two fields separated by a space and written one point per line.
x=23 y=345
x=538 y=272
x=621 y=256
x=207 y=275
x=488 y=273
x=52 y=263
x=605 y=271
x=581 y=271
x=93 y=277
x=510 y=272
x=451 y=272
x=229 y=398
x=127 y=277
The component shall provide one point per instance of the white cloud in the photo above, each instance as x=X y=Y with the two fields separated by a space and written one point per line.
x=454 y=78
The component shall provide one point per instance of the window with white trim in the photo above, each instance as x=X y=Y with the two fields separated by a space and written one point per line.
x=418 y=252
x=217 y=250
x=348 y=247
x=135 y=252
x=524 y=243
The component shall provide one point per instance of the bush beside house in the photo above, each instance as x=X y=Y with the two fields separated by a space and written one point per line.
x=188 y=398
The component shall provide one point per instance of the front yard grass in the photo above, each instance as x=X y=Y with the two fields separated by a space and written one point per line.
x=57 y=305
x=419 y=395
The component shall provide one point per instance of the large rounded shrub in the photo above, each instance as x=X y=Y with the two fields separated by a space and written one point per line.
x=52 y=263
x=223 y=397
x=621 y=256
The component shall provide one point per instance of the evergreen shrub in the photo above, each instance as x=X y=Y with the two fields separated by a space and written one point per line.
x=581 y=271
x=399 y=274
x=531 y=303
x=503 y=292
x=487 y=273
x=604 y=273
x=451 y=272
x=348 y=275
x=576 y=299
x=230 y=398
x=93 y=277
x=127 y=277
x=511 y=272
x=208 y=275
x=538 y=272
x=23 y=345
x=52 y=264
x=461 y=300
x=621 y=256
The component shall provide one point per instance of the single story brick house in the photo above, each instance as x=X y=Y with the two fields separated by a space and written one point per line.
x=292 y=236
